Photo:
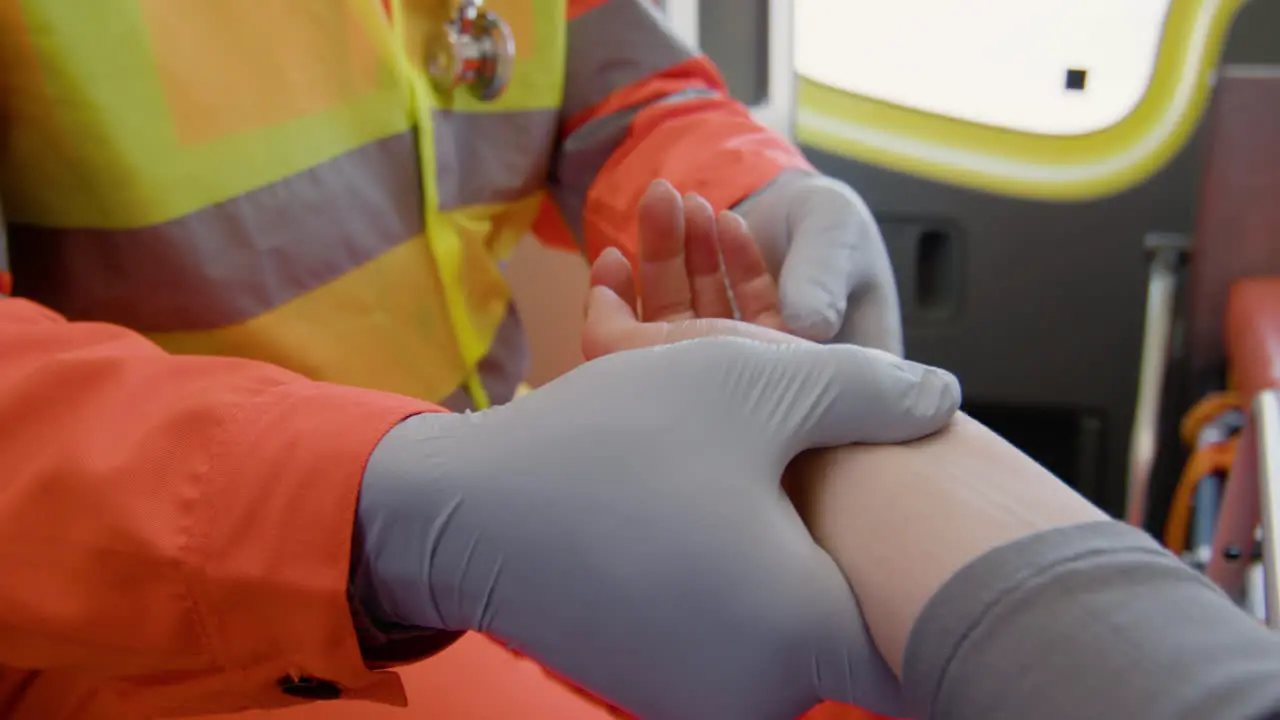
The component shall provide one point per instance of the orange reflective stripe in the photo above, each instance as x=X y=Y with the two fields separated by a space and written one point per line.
x=231 y=261
x=253 y=71
x=132 y=112
x=613 y=45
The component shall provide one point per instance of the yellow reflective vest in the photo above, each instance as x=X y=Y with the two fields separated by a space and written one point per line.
x=278 y=180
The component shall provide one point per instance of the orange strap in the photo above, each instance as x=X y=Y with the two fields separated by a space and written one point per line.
x=1210 y=408
x=1205 y=461
x=1210 y=459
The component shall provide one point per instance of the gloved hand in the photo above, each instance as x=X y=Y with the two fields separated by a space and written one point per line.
x=624 y=525
x=824 y=246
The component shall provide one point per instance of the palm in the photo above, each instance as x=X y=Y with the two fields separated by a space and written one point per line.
x=695 y=270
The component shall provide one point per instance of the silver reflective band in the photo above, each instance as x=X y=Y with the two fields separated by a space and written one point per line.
x=475 y=50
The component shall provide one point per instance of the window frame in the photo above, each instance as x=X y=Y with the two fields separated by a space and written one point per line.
x=1027 y=165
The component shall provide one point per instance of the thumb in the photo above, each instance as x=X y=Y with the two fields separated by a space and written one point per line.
x=612 y=270
x=830 y=395
x=611 y=324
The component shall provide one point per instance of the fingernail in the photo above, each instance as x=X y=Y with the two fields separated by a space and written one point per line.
x=662 y=184
x=936 y=394
x=818 y=327
x=693 y=198
x=734 y=219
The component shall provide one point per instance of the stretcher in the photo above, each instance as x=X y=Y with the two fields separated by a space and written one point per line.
x=1247 y=535
x=1225 y=510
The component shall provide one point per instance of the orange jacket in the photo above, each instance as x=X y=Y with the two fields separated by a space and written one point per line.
x=175 y=529
x=181 y=542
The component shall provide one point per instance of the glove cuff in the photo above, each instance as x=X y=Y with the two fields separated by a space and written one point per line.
x=384 y=643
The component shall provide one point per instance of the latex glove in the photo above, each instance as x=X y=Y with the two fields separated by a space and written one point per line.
x=624 y=525
x=825 y=247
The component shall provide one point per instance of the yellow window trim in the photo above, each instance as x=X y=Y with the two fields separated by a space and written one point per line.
x=1020 y=164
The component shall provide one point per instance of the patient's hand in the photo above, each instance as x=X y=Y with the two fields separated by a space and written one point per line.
x=924 y=509
x=694 y=269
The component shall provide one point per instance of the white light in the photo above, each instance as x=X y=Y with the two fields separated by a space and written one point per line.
x=995 y=62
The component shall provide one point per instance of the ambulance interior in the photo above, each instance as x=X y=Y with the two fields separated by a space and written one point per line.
x=1081 y=199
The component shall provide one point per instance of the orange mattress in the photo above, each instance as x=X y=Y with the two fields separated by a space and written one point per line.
x=477 y=679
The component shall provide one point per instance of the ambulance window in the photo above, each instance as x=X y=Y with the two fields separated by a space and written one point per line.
x=1055 y=67
x=736 y=36
x=1051 y=99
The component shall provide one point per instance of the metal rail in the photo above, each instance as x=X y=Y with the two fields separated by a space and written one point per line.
x=1266 y=425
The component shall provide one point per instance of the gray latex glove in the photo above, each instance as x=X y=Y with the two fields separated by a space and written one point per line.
x=624 y=525
x=835 y=282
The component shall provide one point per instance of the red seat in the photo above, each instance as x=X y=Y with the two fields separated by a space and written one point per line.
x=1253 y=334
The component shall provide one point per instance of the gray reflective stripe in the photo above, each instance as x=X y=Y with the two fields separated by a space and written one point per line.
x=614 y=45
x=232 y=261
x=579 y=161
x=492 y=157
x=585 y=152
x=502 y=370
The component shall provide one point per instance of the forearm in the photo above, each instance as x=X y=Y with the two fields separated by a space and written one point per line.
x=993 y=590
x=996 y=592
x=639 y=105
x=900 y=520
x=178 y=525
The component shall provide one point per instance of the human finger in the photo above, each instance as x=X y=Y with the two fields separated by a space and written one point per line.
x=753 y=288
x=707 y=286
x=612 y=270
x=664 y=281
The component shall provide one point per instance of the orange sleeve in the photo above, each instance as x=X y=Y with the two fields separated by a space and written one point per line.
x=180 y=527
x=674 y=118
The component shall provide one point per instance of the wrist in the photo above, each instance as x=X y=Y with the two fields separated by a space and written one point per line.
x=384 y=642
x=411 y=487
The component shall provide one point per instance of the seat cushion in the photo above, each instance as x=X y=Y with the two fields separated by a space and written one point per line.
x=1253 y=334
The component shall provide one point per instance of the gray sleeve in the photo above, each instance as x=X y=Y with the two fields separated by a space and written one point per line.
x=1091 y=622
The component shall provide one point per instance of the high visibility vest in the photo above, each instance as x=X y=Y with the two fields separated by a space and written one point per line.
x=277 y=179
